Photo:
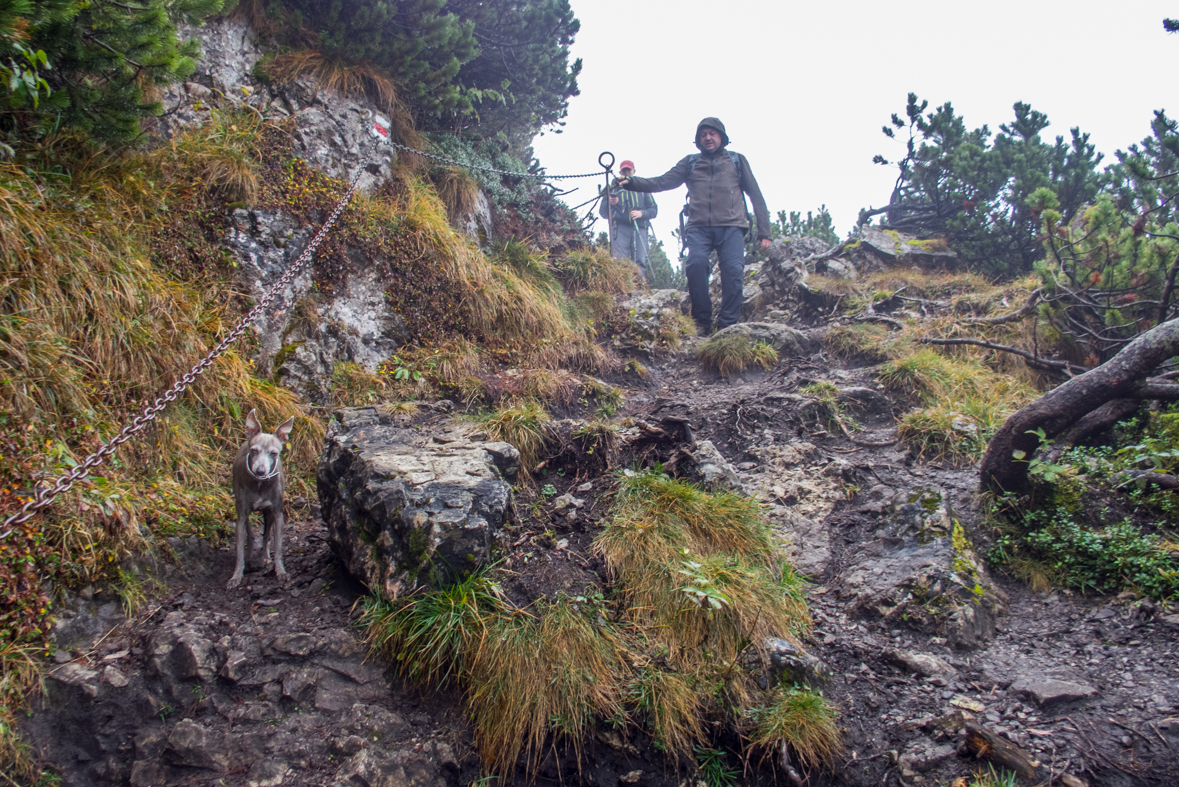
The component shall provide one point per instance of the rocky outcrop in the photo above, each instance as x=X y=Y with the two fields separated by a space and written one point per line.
x=877 y=248
x=305 y=335
x=406 y=508
x=266 y=686
x=788 y=342
x=922 y=572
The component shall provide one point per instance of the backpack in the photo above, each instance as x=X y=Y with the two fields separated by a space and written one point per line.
x=692 y=161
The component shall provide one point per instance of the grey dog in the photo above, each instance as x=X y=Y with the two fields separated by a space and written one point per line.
x=258 y=486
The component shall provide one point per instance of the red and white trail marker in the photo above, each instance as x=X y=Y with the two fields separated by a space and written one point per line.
x=380 y=127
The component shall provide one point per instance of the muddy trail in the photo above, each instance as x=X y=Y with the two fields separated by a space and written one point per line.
x=271 y=685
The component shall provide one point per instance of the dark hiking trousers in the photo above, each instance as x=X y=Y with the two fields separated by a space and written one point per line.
x=729 y=244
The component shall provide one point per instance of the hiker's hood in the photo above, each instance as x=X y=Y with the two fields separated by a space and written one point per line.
x=713 y=123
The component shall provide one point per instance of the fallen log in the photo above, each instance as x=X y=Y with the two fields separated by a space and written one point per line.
x=986 y=745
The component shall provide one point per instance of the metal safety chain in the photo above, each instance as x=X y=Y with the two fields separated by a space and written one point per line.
x=457 y=163
x=45 y=496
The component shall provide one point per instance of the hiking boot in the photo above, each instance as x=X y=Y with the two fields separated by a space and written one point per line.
x=703 y=330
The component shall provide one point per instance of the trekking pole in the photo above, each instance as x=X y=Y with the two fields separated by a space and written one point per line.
x=606 y=195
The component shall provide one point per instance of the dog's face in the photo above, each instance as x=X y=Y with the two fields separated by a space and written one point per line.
x=264 y=448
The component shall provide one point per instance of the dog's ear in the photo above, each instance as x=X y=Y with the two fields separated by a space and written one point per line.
x=253 y=428
x=284 y=429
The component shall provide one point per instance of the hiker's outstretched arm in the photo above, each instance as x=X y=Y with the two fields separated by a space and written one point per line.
x=676 y=176
x=760 y=211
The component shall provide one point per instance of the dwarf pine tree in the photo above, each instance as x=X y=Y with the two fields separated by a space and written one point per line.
x=97 y=59
x=972 y=186
x=500 y=65
x=664 y=276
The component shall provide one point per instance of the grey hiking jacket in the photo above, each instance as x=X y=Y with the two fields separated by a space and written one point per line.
x=628 y=201
x=715 y=191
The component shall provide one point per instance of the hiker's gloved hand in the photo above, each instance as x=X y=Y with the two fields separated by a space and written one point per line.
x=621 y=182
x=765 y=244
x=635 y=215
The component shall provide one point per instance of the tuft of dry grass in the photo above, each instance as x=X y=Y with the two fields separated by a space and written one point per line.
x=21 y=672
x=334 y=75
x=963 y=402
x=542 y=676
x=669 y=706
x=869 y=341
x=698 y=568
x=458 y=190
x=524 y=424
x=596 y=270
x=355 y=386
x=801 y=719
x=735 y=352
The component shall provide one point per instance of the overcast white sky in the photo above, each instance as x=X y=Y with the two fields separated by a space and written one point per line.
x=804 y=88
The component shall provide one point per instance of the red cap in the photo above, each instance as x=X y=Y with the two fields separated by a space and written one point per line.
x=628 y=164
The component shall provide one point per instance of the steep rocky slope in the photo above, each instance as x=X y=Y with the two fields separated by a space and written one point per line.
x=272 y=686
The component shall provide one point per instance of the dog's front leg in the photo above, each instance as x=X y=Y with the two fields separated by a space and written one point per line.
x=280 y=573
x=243 y=525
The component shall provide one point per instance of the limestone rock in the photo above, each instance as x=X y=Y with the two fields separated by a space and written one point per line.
x=405 y=510
x=922 y=664
x=1050 y=691
x=716 y=472
x=889 y=247
x=789 y=342
x=919 y=575
x=180 y=652
x=197 y=746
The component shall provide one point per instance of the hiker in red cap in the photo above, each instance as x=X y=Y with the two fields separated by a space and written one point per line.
x=630 y=214
x=718 y=180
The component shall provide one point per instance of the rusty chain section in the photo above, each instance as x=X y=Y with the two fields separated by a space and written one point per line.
x=47 y=495
x=457 y=163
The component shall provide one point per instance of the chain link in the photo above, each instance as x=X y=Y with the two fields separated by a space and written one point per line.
x=458 y=163
x=44 y=496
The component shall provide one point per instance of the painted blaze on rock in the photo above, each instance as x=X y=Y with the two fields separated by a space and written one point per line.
x=406 y=508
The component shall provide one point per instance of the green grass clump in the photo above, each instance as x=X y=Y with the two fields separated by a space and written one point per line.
x=963 y=403
x=863 y=340
x=735 y=352
x=595 y=270
x=543 y=675
x=801 y=719
x=433 y=635
x=524 y=424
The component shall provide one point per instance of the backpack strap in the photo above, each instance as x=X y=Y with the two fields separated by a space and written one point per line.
x=694 y=158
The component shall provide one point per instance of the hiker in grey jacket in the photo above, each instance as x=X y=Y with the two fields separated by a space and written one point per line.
x=630 y=215
x=717 y=181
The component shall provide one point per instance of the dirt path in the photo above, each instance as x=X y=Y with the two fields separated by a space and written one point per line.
x=270 y=685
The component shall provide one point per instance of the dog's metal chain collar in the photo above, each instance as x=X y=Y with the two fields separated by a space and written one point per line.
x=250 y=470
x=46 y=495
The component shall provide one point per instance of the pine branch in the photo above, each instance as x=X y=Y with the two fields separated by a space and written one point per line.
x=1035 y=360
x=1011 y=316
